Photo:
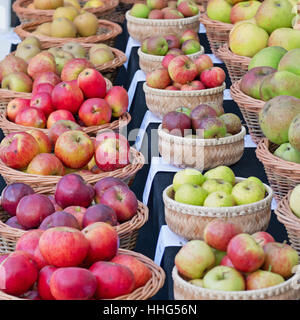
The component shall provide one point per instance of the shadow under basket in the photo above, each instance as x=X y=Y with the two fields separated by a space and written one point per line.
x=154 y=284
x=250 y=109
x=189 y=221
x=183 y=290
x=290 y=221
x=201 y=154
x=283 y=176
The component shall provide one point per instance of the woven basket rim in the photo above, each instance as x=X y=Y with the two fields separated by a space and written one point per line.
x=214 y=23
x=201 y=142
x=227 y=55
x=234 y=211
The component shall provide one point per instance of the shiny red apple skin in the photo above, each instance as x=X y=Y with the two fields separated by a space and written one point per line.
x=73 y=68
x=102 y=185
x=43 y=87
x=213 y=77
x=46 y=77
x=46 y=164
x=31 y=117
x=43 y=141
x=56 y=206
x=182 y=69
x=43 y=283
x=59 y=219
x=226 y=262
x=92 y=83
x=14 y=223
x=203 y=62
x=61 y=126
x=15 y=106
x=99 y=213
x=77 y=212
x=173 y=41
x=117 y=98
x=158 y=79
x=43 y=102
x=41 y=63
x=167 y=59
x=177 y=123
x=262 y=237
x=59 y=115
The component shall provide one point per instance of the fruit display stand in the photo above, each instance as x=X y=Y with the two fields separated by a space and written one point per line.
x=143 y=293
x=189 y=221
x=107 y=32
x=140 y=29
x=184 y=290
x=201 y=154
x=217 y=32
x=250 y=109
x=236 y=65
x=282 y=175
x=160 y=102
x=290 y=221
x=150 y=62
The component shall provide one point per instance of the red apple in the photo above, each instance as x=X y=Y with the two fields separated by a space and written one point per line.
x=197 y=84
x=102 y=185
x=99 y=213
x=213 y=77
x=46 y=164
x=173 y=41
x=188 y=8
x=61 y=126
x=176 y=123
x=31 y=117
x=172 y=88
x=42 y=62
x=33 y=209
x=262 y=237
x=78 y=213
x=43 y=87
x=14 y=223
x=172 y=14
x=44 y=143
x=158 y=78
x=59 y=219
x=43 y=283
x=117 y=99
x=182 y=69
x=156 y=14
x=46 y=77
x=92 y=83
x=187 y=87
x=167 y=59
x=74 y=67
x=226 y=262
x=56 y=206
x=43 y=102
x=175 y=52
x=59 y=115
x=189 y=34
x=15 y=106
x=203 y=62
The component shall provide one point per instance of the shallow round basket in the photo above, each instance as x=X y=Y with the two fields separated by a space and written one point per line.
x=217 y=32
x=127 y=231
x=140 y=29
x=107 y=32
x=290 y=221
x=25 y=14
x=201 y=154
x=250 y=109
x=183 y=290
x=150 y=62
x=47 y=184
x=236 y=65
x=282 y=175
x=154 y=284
x=160 y=102
x=189 y=221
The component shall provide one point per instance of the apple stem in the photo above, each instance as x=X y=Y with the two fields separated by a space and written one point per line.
x=283 y=244
x=270 y=268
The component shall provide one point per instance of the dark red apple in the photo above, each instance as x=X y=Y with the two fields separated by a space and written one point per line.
x=43 y=283
x=200 y=112
x=43 y=102
x=14 y=223
x=99 y=213
x=77 y=212
x=102 y=185
x=59 y=219
x=177 y=123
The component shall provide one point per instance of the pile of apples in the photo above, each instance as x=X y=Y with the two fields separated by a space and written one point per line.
x=203 y=122
x=54 y=4
x=163 y=9
x=216 y=188
x=229 y=260
x=187 y=43
x=75 y=204
x=179 y=72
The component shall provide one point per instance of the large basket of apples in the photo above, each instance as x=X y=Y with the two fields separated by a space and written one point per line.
x=233 y=265
x=74 y=204
x=158 y=17
x=154 y=51
x=193 y=200
x=200 y=138
x=185 y=82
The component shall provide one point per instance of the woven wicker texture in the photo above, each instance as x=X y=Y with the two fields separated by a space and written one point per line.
x=190 y=221
x=160 y=102
x=8 y=95
x=201 y=154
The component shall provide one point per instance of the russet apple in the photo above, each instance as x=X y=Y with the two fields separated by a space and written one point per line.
x=58 y=115
x=17 y=81
x=99 y=213
x=15 y=106
x=42 y=62
x=232 y=122
x=92 y=83
x=43 y=282
x=46 y=164
x=77 y=212
x=46 y=77
x=43 y=102
x=182 y=69
x=102 y=185
x=68 y=12
x=74 y=67
x=86 y=24
x=47 y=4
x=61 y=126
x=158 y=78
x=45 y=145
x=59 y=219
x=117 y=98
x=177 y=123
x=31 y=117
x=101 y=56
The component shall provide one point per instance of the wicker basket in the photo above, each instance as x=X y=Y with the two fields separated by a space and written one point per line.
x=183 y=290
x=190 y=221
x=150 y=62
x=250 y=109
x=236 y=65
x=160 y=102
x=154 y=284
x=107 y=32
x=282 y=175
x=217 y=32
x=201 y=154
x=290 y=221
x=7 y=95
x=140 y=29
x=47 y=184
x=127 y=231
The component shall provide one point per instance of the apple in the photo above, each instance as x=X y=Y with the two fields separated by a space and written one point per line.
x=157 y=4
x=201 y=111
x=213 y=77
x=188 y=175
x=223 y=278
x=103 y=242
x=61 y=126
x=211 y=128
x=15 y=106
x=197 y=84
x=17 y=81
x=63 y=246
x=156 y=14
x=172 y=14
x=59 y=115
x=191 y=46
x=31 y=117
x=226 y=262
x=46 y=77
x=18 y=149
x=158 y=78
x=221 y=172
x=219 y=255
x=219 y=199
x=175 y=52
x=72 y=190
x=294 y=201
x=46 y=164
x=73 y=68
x=263 y=279
x=187 y=87
x=102 y=185
x=92 y=83
x=12 y=194
x=157 y=45
x=14 y=223
x=42 y=62
x=99 y=213
x=182 y=69
x=213 y=185
x=245 y=253
x=246 y=192
x=166 y=60
x=188 y=8
x=117 y=98
x=12 y=64
x=172 y=88
x=203 y=62
x=67 y=96
x=95 y=112
x=172 y=41
x=77 y=212
x=43 y=283
x=42 y=87
x=33 y=209
x=42 y=140
x=177 y=123
x=188 y=35
x=140 y=10
x=59 y=219
x=262 y=238
x=43 y=102
x=56 y=206
x=74 y=148
x=194 y=259
x=244 y=11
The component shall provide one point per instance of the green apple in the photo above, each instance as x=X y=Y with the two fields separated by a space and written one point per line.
x=187 y=175
x=197 y=282
x=191 y=194
x=17 y=81
x=255 y=179
x=194 y=259
x=287 y=153
x=221 y=172
x=219 y=199
x=219 y=10
x=263 y=279
x=295 y=201
x=213 y=185
x=219 y=255
x=246 y=192
x=267 y=57
x=224 y=278
x=140 y=10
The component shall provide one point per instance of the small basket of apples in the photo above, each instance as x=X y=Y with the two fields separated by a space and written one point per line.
x=233 y=265
x=193 y=200
x=184 y=82
x=74 y=204
x=162 y=17
x=200 y=138
x=155 y=50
